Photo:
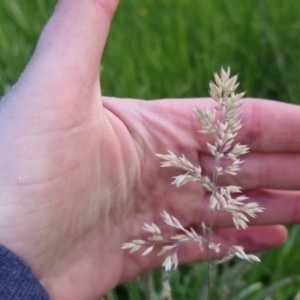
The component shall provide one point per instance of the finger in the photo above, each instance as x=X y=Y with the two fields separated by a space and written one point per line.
x=253 y=239
x=268 y=126
x=280 y=207
x=259 y=170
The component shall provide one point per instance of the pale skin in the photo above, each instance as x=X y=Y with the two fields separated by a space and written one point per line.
x=78 y=171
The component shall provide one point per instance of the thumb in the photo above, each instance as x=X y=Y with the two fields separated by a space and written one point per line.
x=69 y=51
x=77 y=32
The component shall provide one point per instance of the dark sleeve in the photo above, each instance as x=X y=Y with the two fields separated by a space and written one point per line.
x=17 y=282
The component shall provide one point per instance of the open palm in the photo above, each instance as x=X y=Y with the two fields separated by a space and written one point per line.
x=78 y=171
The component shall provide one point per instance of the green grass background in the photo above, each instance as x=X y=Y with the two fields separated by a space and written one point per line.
x=170 y=48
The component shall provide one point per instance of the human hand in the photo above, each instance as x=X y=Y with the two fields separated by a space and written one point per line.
x=78 y=171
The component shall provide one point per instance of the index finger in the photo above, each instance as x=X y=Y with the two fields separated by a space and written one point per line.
x=270 y=126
